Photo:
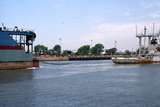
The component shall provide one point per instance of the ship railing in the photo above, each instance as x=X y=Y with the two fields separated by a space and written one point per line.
x=16 y=29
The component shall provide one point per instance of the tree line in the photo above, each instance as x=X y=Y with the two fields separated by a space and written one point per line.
x=43 y=50
x=97 y=49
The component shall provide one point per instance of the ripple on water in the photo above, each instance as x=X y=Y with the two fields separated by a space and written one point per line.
x=81 y=84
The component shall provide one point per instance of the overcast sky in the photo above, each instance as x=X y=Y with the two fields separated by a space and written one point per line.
x=73 y=23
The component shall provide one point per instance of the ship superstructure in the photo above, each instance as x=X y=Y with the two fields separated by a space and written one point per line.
x=16 y=47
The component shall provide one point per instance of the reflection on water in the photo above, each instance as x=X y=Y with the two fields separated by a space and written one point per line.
x=81 y=84
x=8 y=76
x=56 y=63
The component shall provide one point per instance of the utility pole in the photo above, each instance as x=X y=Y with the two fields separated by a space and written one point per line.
x=115 y=44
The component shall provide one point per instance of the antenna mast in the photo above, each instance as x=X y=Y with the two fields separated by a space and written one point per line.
x=153 y=29
x=136 y=30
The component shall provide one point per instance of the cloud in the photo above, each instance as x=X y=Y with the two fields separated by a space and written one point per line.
x=151 y=9
x=127 y=13
x=150 y=5
x=155 y=15
x=108 y=33
x=124 y=34
x=147 y=5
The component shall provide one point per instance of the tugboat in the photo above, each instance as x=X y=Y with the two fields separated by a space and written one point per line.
x=148 y=52
x=16 y=47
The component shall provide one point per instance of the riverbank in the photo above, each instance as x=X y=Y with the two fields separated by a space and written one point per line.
x=51 y=58
x=72 y=58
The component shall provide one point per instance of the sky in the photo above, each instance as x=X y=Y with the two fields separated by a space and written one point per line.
x=73 y=23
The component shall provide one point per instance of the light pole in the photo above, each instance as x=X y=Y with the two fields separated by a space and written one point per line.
x=91 y=43
x=60 y=42
x=115 y=44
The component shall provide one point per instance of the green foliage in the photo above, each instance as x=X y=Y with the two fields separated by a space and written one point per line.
x=127 y=52
x=40 y=49
x=67 y=52
x=111 y=51
x=97 y=49
x=57 y=49
x=84 y=50
x=51 y=52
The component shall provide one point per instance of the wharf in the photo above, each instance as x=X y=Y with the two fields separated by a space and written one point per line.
x=72 y=58
x=90 y=57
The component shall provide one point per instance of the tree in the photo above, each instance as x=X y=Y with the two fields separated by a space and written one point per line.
x=127 y=52
x=67 y=52
x=40 y=49
x=57 y=49
x=97 y=49
x=51 y=52
x=111 y=51
x=84 y=50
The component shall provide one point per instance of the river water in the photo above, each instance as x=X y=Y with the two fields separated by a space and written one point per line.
x=81 y=84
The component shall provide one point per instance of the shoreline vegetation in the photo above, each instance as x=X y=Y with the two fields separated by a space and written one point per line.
x=85 y=52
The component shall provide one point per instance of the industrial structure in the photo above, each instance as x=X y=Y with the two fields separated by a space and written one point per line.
x=148 y=51
x=16 y=47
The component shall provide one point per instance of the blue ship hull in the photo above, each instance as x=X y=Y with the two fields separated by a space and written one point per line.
x=16 y=49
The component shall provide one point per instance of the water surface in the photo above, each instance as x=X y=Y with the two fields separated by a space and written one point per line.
x=81 y=84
